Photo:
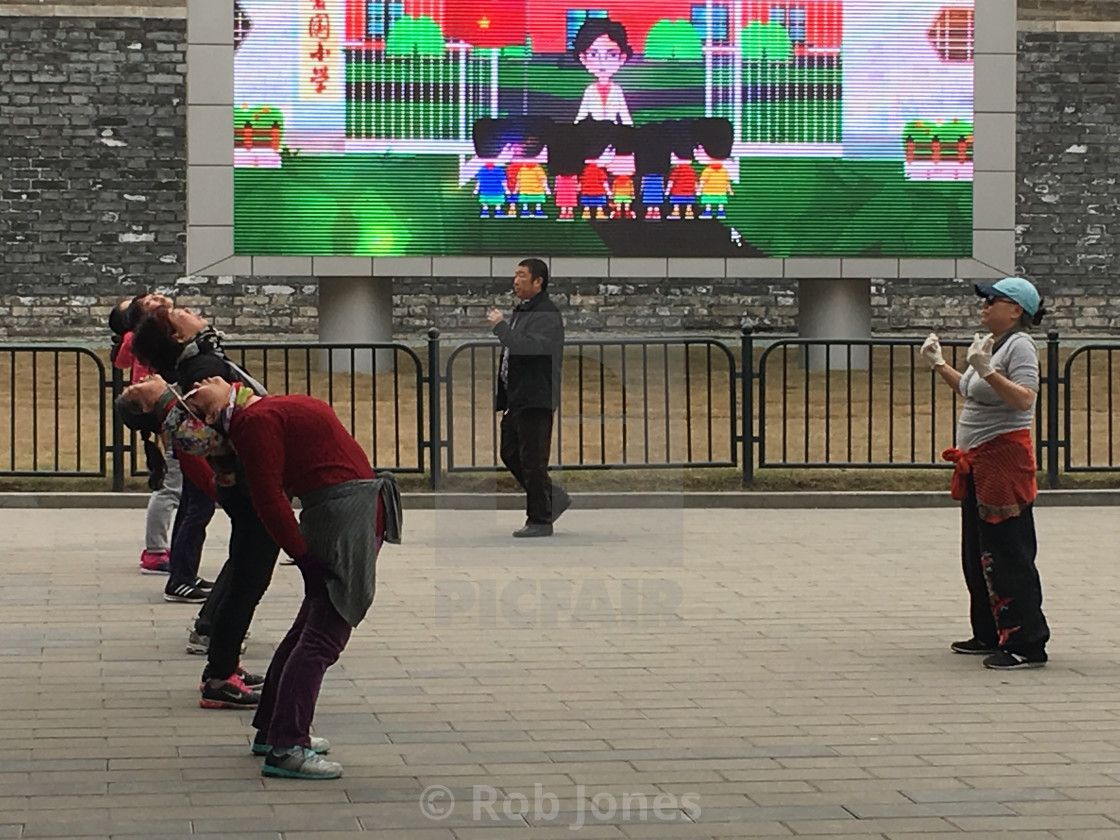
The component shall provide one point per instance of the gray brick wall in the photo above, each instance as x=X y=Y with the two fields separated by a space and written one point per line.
x=459 y=306
x=92 y=190
x=92 y=204
x=1069 y=10
x=1068 y=204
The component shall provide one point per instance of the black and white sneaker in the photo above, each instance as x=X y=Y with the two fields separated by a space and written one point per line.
x=228 y=694
x=185 y=593
x=975 y=647
x=1005 y=660
x=199 y=644
x=204 y=584
x=254 y=682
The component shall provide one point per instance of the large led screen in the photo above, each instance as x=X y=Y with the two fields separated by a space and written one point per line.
x=751 y=128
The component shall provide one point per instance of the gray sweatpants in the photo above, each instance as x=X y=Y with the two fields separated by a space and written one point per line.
x=161 y=509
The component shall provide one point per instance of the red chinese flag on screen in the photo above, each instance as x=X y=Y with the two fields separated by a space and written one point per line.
x=487 y=23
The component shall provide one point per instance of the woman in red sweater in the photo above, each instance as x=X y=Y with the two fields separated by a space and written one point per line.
x=296 y=445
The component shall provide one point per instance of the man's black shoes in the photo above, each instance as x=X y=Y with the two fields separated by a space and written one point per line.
x=534 y=529
x=558 y=507
x=544 y=529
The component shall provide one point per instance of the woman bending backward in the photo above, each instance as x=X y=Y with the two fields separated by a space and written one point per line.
x=296 y=443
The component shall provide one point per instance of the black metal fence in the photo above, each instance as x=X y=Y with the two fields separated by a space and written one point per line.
x=627 y=403
x=56 y=418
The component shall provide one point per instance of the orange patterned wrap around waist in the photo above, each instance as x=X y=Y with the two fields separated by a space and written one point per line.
x=1003 y=473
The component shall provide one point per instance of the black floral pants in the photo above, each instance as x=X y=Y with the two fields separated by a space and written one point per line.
x=1004 y=588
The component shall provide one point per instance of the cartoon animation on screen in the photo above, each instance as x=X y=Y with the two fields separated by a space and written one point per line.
x=635 y=127
x=597 y=168
x=939 y=149
x=595 y=165
x=258 y=135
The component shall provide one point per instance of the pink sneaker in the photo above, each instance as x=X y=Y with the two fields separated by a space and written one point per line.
x=154 y=563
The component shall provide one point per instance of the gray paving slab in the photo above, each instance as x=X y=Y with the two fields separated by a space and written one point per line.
x=655 y=673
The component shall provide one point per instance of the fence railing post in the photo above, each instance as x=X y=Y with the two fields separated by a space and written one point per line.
x=1053 y=379
x=435 y=442
x=116 y=385
x=746 y=376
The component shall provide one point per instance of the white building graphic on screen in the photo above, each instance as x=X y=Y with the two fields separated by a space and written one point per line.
x=908 y=85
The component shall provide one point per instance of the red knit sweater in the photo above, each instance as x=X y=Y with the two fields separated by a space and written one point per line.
x=295 y=444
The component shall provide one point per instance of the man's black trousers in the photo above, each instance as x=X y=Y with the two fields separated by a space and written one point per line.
x=525 y=447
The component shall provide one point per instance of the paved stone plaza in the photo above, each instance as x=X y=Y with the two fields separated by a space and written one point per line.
x=548 y=687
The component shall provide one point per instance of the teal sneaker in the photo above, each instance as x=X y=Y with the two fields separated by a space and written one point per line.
x=318 y=745
x=299 y=763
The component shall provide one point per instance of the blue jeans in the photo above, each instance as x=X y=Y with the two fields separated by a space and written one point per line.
x=196 y=509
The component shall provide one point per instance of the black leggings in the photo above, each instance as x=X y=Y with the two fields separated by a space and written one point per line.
x=1004 y=588
x=247 y=573
x=204 y=622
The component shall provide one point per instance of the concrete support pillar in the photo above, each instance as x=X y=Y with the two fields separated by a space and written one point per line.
x=834 y=309
x=356 y=310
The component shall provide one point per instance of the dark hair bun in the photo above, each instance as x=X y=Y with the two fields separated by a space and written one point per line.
x=1040 y=313
x=157 y=464
x=118 y=321
x=145 y=422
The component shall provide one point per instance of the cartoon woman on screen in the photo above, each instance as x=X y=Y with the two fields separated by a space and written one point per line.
x=602 y=48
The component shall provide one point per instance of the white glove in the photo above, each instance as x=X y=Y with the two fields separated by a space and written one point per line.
x=980 y=355
x=931 y=349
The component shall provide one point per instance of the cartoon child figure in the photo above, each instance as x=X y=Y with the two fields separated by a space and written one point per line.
x=490 y=179
x=594 y=189
x=714 y=138
x=622 y=167
x=682 y=177
x=527 y=143
x=652 y=162
x=602 y=48
x=565 y=161
x=532 y=187
x=491 y=189
x=622 y=188
x=594 y=185
x=715 y=187
x=511 y=186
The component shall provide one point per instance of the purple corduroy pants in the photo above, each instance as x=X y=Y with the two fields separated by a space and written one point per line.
x=291 y=686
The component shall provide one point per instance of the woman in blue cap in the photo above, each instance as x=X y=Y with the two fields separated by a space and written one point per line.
x=994 y=477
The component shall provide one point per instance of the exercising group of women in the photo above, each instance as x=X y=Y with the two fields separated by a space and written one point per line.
x=259 y=450
x=250 y=452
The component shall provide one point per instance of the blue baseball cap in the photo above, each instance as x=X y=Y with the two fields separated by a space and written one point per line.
x=1019 y=290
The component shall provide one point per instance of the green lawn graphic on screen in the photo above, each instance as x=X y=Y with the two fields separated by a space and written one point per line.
x=785 y=128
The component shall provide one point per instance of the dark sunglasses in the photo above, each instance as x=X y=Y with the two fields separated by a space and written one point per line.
x=994 y=299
